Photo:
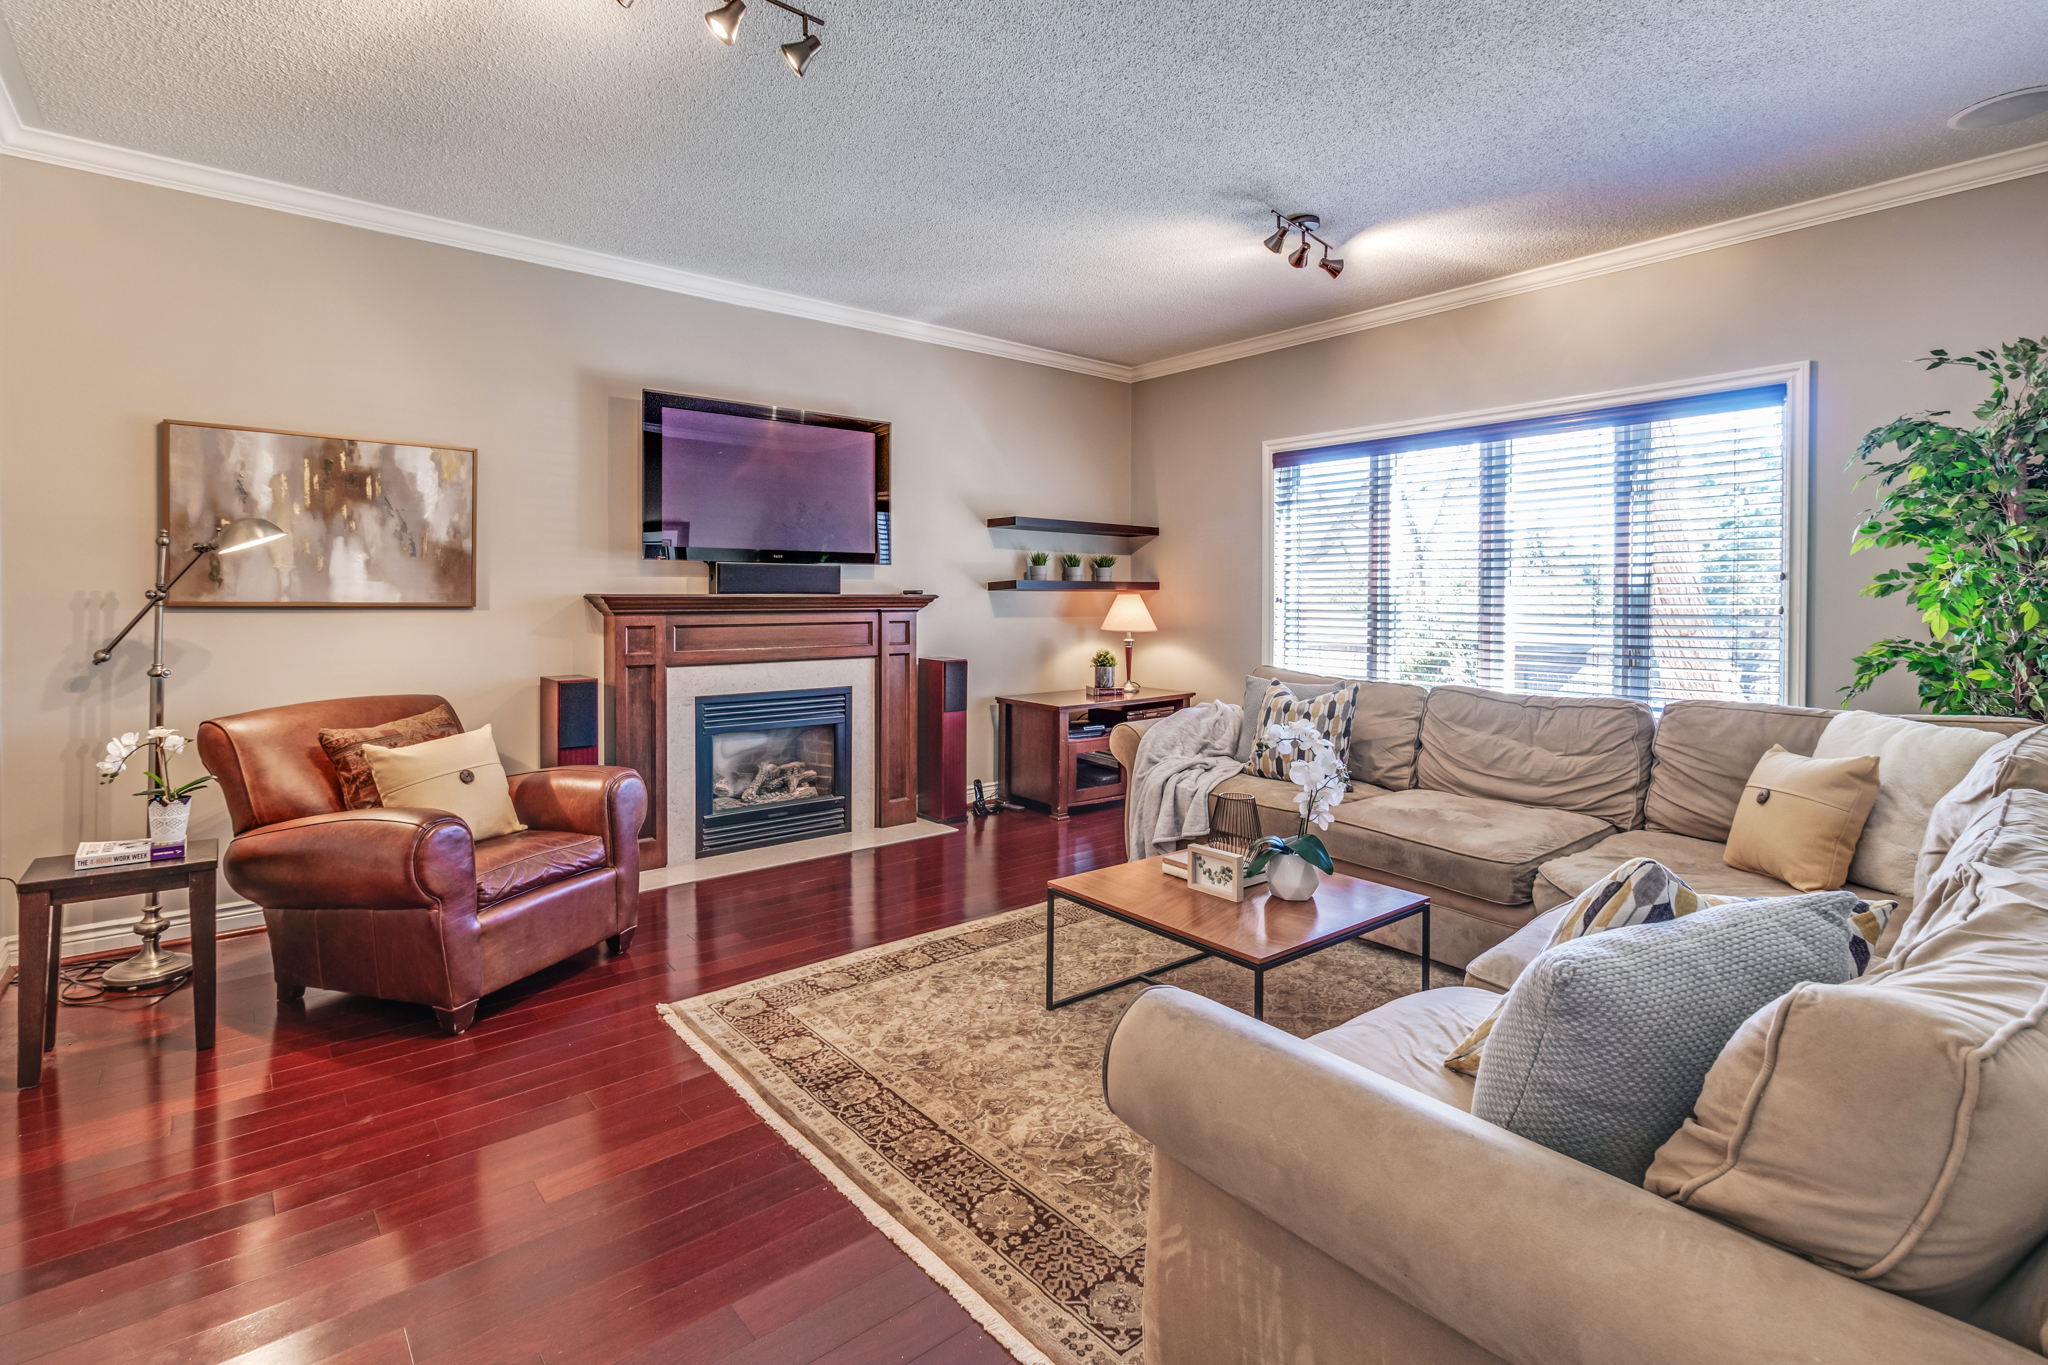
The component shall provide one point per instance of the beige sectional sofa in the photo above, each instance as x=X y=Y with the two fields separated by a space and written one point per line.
x=1860 y=1181
x=1501 y=805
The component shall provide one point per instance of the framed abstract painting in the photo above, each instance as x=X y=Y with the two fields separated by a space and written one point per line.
x=367 y=523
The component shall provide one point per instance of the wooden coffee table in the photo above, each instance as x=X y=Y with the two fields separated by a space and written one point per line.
x=1259 y=933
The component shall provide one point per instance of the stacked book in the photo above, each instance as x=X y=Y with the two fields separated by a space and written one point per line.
x=122 y=852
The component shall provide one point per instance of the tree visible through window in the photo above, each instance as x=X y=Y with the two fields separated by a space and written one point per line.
x=1638 y=551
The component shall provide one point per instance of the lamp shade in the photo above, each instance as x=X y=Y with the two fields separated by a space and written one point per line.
x=1128 y=614
x=245 y=533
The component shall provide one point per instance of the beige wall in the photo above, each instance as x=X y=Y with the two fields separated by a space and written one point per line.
x=124 y=304
x=1860 y=298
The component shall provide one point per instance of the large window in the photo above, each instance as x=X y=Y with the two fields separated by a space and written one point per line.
x=1637 y=550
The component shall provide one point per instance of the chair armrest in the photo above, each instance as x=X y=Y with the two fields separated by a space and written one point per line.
x=603 y=801
x=1123 y=741
x=384 y=858
x=1529 y=1254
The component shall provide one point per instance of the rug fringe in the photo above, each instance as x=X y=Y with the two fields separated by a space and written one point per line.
x=929 y=1261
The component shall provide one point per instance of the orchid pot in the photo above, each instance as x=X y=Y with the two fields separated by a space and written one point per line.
x=168 y=822
x=170 y=806
x=1294 y=867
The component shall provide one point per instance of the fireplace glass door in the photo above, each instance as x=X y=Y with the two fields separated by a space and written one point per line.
x=771 y=768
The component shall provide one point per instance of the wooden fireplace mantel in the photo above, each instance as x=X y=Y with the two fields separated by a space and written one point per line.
x=646 y=634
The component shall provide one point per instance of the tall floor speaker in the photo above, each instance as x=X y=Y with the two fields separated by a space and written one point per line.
x=568 y=721
x=942 y=739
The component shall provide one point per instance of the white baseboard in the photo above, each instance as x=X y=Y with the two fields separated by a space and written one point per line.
x=84 y=940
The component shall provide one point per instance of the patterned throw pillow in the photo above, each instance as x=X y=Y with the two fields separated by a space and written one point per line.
x=345 y=750
x=1330 y=712
x=1644 y=891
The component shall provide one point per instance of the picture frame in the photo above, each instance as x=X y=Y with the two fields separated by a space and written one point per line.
x=1217 y=872
x=367 y=523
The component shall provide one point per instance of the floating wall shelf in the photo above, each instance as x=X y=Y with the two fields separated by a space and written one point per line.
x=1067 y=585
x=1078 y=528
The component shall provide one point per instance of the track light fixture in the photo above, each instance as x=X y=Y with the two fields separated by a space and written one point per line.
x=724 y=23
x=1286 y=225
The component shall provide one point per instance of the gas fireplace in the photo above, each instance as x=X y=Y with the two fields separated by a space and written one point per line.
x=771 y=768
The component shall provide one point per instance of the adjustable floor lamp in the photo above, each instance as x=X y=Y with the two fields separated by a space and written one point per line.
x=152 y=966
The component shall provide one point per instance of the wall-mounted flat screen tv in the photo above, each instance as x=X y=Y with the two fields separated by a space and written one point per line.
x=726 y=481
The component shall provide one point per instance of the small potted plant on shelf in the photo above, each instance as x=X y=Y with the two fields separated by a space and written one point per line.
x=1105 y=568
x=1036 y=568
x=1293 y=867
x=170 y=808
x=1105 y=670
x=1072 y=568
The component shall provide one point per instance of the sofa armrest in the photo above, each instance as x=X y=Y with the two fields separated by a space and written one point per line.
x=1123 y=741
x=384 y=858
x=1500 y=966
x=603 y=801
x=1529 y=1254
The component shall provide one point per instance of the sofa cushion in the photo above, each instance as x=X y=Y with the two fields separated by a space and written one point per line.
x=1800 y=818
x=1603 y=1044
x=1498 y=967
x=1704 y=753
x=1406 y=1038
x=1585 y=754
x=1699 y=861
x=512 y=864
x=1385 y=730
x=1489 y=849
x=1891 y=1127
x=1917 y=765
x=2017 y=762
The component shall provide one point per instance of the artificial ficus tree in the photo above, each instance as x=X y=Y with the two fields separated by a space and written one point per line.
x=1972 y=504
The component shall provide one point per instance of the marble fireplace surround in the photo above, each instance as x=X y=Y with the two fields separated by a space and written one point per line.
x=664 y=652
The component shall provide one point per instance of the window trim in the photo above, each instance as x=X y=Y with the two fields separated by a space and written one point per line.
x=1797 y=377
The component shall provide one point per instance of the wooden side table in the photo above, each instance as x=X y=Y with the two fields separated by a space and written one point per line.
x=1047 y=734
x=50 y=884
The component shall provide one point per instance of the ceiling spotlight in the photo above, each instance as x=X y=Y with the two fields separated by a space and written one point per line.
x=724 y=22
x=1999 y=110
x=1286 y=225
x=799 y=53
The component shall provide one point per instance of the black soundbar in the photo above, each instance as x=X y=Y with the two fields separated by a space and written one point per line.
x=738 y=575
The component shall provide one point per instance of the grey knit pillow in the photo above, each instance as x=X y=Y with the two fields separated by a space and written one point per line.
x=1605 y=1041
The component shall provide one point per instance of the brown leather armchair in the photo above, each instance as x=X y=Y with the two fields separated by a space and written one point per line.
x=404 y=904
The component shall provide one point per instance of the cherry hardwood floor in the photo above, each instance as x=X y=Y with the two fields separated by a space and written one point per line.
x=565 y=1182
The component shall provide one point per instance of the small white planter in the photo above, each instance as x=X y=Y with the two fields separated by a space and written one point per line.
x=168 y=821
x=1038 y=571
x=1074 y=573
x=1292 y=878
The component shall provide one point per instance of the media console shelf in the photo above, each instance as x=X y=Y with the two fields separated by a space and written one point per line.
x=1077 y=528
x=1067 y=585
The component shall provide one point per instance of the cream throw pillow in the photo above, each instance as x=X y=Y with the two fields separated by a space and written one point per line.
x=1799 y=818
x=461 y=774
x=1918 y=763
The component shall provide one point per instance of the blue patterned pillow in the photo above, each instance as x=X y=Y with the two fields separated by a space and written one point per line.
x=1605 y=1041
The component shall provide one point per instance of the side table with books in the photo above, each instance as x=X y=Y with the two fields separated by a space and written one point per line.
x=50 y=884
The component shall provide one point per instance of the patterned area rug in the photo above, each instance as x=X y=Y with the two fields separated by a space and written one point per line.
x=927 y=1080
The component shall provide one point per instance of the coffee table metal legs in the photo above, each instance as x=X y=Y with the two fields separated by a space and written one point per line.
x=1145 y=977
x=1053 y=1002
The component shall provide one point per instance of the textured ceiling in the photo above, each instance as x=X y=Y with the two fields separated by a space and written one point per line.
x=1090 y=178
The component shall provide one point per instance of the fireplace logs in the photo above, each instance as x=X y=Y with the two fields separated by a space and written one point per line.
x=771 y=782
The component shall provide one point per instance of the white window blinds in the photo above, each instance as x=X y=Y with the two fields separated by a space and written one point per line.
x=1638 y=551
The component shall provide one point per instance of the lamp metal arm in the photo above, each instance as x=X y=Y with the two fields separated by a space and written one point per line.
x=155 y=597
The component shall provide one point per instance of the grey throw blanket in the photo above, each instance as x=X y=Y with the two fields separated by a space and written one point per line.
x=1180 y=761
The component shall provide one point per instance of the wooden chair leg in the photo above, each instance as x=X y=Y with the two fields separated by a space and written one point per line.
x=454 y=1021
x=621 y=941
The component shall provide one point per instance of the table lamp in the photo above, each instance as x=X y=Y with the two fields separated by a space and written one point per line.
x=151 y=965
x=1128 y=615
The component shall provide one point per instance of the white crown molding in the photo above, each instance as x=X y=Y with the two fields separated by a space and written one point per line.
x=17 y=138
x=59 y=149
x=1887 y=194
